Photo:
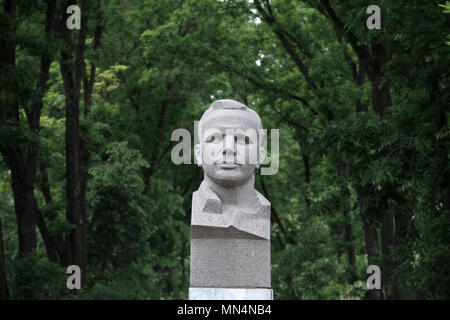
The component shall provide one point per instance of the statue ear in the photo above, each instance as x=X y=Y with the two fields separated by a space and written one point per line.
x=261 y=156
x=198 y=154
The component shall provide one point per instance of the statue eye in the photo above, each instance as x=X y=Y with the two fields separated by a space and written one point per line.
x=211 y=139
x=241 y=139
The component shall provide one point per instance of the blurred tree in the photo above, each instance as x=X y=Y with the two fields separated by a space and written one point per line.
x=364 y=139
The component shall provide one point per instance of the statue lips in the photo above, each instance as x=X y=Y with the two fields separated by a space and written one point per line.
x=228 y=166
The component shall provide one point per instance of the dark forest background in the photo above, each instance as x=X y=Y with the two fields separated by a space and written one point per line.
x=86 y=118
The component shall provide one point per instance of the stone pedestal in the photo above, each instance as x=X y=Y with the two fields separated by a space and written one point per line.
x=230 y=294
x=228 y=258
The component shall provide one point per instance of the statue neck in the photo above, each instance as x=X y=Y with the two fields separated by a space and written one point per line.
x=240 y=196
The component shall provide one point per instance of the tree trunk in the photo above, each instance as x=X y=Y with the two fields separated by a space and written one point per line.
x=50 y=246
x=348 y=229
x=85 y=155
x=381 y=101
x=381 y=95
x=387 y=241
x=22 y=183
x=22 y=161
x=183 y=255
x=34 y=117
x=306 y=167
x=25 y=209
x=372 y=249
x=76 y=209
x=55 y=241
x=4 y=292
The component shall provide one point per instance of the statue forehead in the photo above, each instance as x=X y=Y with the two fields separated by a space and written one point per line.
x=232 y=118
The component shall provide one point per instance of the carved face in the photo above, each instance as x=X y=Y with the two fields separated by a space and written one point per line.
x=229 y=148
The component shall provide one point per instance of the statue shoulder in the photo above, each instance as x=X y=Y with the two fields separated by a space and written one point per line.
x=205 y=200
x=262 y=200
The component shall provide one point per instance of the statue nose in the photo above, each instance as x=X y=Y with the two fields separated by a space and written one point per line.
x=229 y=147
x=229 y=152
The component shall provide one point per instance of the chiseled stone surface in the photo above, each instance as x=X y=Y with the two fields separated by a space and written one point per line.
x=230 y=294
x=207 y=211
x=230 y=224
x=228 y=258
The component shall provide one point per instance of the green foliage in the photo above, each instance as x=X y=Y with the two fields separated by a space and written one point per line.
x=137 y=281
x=344 y=166
x=118 y=222
x=33 y=277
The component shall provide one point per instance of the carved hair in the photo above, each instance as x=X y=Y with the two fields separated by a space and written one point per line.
x=232 y=105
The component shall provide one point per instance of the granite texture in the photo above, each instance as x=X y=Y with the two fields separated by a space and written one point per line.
x=228 y=258
x=230 y=223
x=230 y=294
x=207 y=211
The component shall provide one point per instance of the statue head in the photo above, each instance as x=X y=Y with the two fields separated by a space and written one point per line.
x=230 y=143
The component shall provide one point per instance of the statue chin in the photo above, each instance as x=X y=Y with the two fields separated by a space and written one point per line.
x=228 y=183
x=229 y=176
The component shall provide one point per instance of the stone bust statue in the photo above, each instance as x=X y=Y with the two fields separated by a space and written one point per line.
x=230 y=226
